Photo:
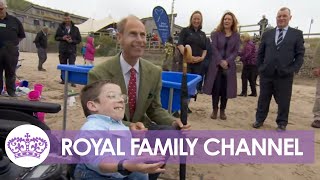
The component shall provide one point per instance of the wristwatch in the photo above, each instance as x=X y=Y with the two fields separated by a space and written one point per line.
x=121 y=169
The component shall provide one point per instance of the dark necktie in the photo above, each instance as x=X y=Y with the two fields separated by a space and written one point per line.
x=280 y=37
x=132 y=91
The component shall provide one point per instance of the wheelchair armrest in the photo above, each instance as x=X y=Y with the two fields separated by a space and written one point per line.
x=29 y=106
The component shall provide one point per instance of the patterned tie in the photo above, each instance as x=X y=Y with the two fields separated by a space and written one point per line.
x=280 y=37
x=132 y=91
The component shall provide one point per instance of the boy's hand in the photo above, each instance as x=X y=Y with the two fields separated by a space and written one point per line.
x=141 y=164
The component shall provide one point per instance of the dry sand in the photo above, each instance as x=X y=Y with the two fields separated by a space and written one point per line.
x=240 y=113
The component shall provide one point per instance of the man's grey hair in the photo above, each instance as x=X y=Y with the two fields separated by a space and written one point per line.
x=285 y=8
x=4 y=2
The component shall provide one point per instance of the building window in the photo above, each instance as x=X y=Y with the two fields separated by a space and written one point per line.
x=47 y=23
x=36 y=22
x=52 y=25
x=38 y=12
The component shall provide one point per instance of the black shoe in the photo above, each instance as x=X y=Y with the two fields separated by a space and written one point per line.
x=176 y=114
x=257 y=124
x=254 y=95
x=73 y=85
x=281 y=128
x=243 y=94
x=315 y=124
x=189 y=110
x=61 y=82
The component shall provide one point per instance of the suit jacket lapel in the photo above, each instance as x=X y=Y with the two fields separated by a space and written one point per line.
x=285 y=38
x=117 y=77
x=274 y=37
x=143 y=89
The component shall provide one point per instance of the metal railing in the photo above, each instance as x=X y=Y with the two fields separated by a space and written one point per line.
x=151 y=45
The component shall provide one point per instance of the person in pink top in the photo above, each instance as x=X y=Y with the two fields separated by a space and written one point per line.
x=90 y=51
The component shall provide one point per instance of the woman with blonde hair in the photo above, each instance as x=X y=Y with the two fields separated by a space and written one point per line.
x=221 y=81
x=196 y=38
x=249 y=61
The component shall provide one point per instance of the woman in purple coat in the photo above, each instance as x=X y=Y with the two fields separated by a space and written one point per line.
x=249 y=61
x=222 y=80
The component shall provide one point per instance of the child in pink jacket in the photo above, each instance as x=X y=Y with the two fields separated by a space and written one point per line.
x=90 y=51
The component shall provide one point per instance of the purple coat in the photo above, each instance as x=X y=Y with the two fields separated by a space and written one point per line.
x=248 y=54
x=218 y=41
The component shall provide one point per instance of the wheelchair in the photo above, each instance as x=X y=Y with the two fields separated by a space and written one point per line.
x=14 y=113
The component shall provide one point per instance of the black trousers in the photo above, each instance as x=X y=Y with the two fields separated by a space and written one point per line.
x=281 y=89
x=219 y=90
x=67 y=58
x=196 y=69
x=8 y=62
x=249 y=73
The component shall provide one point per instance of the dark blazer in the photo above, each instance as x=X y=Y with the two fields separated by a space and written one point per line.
x=287 y=59
x=64 y=46
x=41 y=40
x=148 y=104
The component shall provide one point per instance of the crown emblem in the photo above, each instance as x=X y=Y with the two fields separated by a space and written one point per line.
x=27 y=146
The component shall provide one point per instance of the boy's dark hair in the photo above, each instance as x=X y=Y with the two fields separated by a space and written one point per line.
x=91 y=92
x=66 y=14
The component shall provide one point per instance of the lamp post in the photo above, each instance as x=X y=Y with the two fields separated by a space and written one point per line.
x=311 y=22
x=172 y=17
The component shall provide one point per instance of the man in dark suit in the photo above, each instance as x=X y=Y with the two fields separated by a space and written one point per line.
x=280 y=55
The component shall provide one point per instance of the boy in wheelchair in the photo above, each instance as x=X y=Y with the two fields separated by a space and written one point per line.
x=104 y=106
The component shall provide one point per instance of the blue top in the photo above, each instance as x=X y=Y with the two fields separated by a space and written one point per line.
x=100 y=122
x=83 y=50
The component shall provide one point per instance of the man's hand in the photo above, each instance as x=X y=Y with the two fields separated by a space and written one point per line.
x=138 y=126
x=69 y=40
x=65 y=37
x=316 y=72
x=178 y=125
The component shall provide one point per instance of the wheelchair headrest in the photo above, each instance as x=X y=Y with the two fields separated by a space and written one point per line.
x=29 y=106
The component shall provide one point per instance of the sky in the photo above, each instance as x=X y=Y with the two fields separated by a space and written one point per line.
x=247 y=11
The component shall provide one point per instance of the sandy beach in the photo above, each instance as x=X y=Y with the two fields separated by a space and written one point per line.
x=240 y=112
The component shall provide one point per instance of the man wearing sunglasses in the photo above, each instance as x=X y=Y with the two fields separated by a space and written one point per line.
x=11 y=33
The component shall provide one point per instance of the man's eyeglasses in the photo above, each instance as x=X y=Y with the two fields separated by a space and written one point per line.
x=117 y=97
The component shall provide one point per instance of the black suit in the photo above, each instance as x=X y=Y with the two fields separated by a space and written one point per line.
x=276 y=66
